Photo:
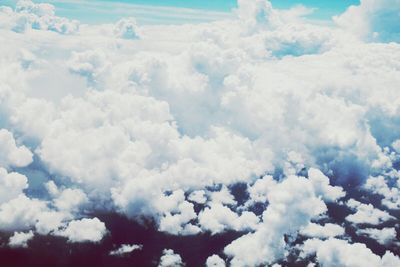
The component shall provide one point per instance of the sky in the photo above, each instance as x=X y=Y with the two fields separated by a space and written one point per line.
x=104 y=11
x=168 y=135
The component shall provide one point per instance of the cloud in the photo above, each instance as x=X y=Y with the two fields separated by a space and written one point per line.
x=28 y=15
x=12 y=154
x=169 y=259
x=219 y=218
x=20 y=213
x=198 y=197
x=127 y=29
x=11 y=185
x=333 y=252
x=366 y=213
x=84 y=230
x=125 y=249
x=391 y=195
x=385 y=236
x=322 y=231
x=372 y=19
x=292 y=201
x=20 y=239
x=215 y=261
x=163 y=124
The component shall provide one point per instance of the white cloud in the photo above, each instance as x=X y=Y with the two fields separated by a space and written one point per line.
x=170 y=259
x=372 y=19
x=84 y=230
x=366 y=213
x=125 y=249
x=198 y=197
x=28 y=15
x=127 y=29
x=151 y=125
x=70 y=200
x=322 y=187
x=215 y=261
x=11 y=185
x=20 y=213
x=20 y=239
x=391 y=195
x=384 y=236
x=322 y=231
x=290 y=202
x=336 y=252
x=218 y=218
x=11 y=153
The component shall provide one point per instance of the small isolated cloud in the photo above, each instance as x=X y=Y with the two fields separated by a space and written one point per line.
x=20 y=239
x=215 y=261
x=125 y=249
x=84 y=230
x=170 y=259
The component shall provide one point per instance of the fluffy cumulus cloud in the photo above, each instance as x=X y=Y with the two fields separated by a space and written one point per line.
x=336 y=252
x=366 y=213
x=11 y=153
x=295 y=202
x=384 y=236
x=20 y=239
x=373 y=19
x=84 y=230
x=170 y=259
x=164 y=124
x=28 y=15
x=322 y=231
x=215 y=261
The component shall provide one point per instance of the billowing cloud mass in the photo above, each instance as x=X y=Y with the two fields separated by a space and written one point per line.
x=282 y=130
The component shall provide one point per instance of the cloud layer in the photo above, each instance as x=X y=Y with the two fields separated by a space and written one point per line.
x=262 y=124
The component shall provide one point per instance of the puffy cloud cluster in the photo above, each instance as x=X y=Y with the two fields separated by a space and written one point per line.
x=215 y=261
x=366 y=213
x=20 y=239
x=170 y=259
x=336 y=252
x=292 y=205
x=28 y=15
x=127 y=29
x=384 y=236
x=84 y=230
x=373 y=19
x=11 y=154
x=163 y=127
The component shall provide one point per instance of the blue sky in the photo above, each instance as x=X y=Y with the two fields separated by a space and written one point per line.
x=95 y=11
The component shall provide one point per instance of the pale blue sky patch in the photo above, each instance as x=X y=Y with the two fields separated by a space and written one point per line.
x=175 y=11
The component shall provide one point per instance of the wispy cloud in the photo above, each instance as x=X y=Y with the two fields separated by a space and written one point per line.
x=145 y=14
